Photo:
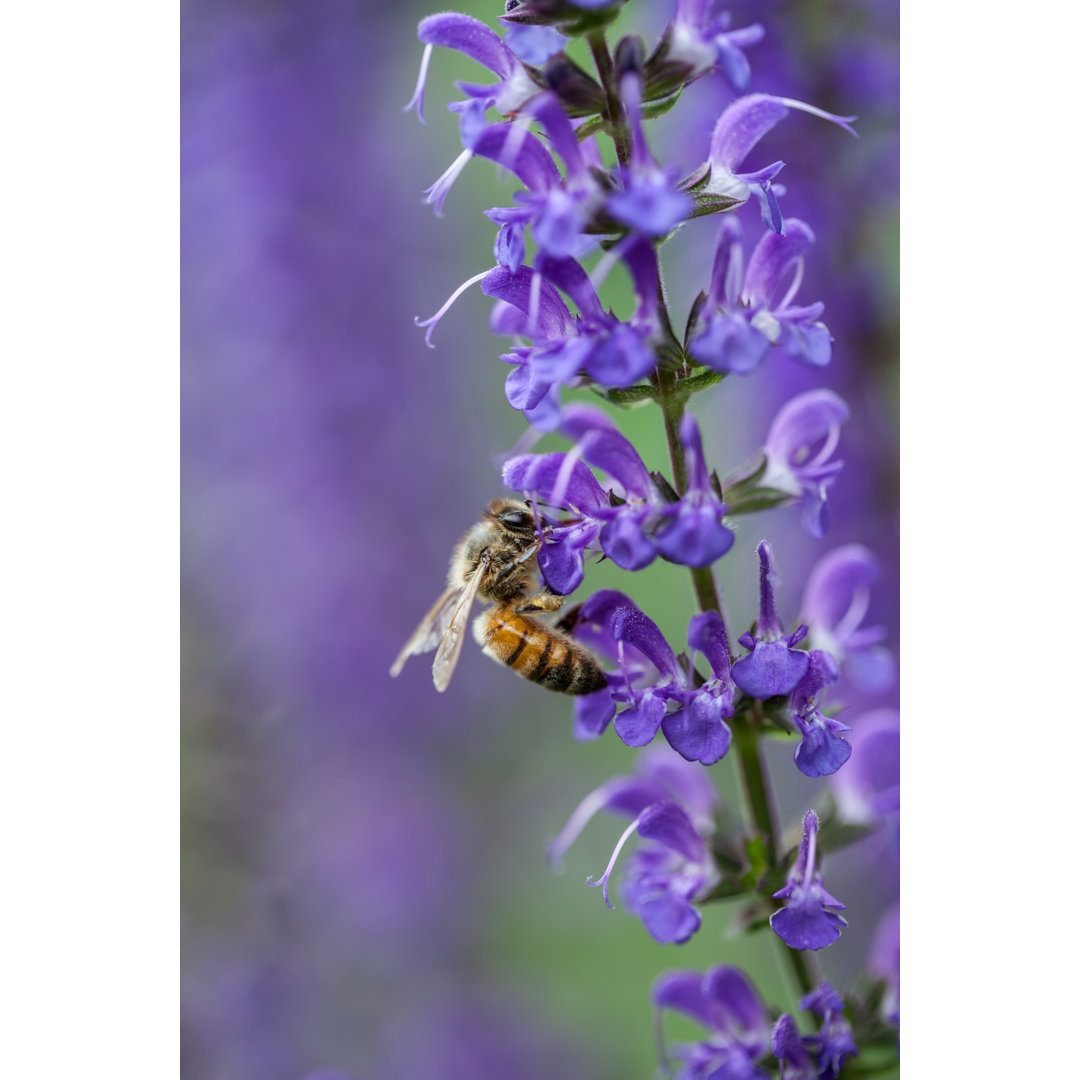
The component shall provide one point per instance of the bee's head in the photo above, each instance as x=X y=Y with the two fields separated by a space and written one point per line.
x=514 y=516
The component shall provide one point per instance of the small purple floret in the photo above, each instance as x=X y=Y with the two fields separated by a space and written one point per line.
x=809 y=919
x=774 y=666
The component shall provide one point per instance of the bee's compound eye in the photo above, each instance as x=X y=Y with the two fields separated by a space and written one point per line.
x=516 y=519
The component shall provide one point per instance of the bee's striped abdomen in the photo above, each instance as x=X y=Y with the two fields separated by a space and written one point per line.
x=537 y=652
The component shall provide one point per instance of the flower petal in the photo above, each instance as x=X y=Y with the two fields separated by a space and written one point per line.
x=771 y=669
x=698 y=731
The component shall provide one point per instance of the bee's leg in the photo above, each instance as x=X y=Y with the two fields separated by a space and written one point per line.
x=542 y=601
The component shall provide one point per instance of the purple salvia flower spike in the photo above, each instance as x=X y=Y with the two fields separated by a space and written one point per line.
x=807 y=921
x=773 y=667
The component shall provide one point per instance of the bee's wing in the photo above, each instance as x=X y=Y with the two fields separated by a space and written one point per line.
x=450 y=648
x=432 y=628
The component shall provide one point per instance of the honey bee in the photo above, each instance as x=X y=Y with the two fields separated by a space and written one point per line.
x=496 y=560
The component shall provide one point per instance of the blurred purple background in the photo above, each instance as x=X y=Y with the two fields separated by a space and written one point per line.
x=364 y=882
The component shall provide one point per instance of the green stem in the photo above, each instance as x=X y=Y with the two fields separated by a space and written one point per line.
x=755 y=785
x=605 y=68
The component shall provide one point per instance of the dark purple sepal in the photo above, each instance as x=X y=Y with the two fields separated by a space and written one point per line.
x=772 y=669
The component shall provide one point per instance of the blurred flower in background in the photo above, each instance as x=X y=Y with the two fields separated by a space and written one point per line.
x=365 y=892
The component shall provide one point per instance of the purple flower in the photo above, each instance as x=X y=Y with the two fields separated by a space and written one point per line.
x=835 y=602
x=661 y=776
x=737 y=132
x=698 y=730
x=745 y=314
x=800 y=442
x=806 y=921
x=665 y=876
x=564 y=480
x=649 y=202
x=556 y=209
x=789 y=1049
x=820 y=1056
x=566 y=348
x=651 y=683
x=702 y=42
x=467 y=35
x=774 y=666
x=629 y=521
x=725 y=1002
x=648 y=675
x=822 y=749
x=694 y=534
x=834 y=1041
x=672 y=806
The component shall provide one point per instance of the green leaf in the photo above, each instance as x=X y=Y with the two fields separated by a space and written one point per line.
x=628 y=396
x=659 y=108
x=700 y=380
x=754 y=500
x=594 y=126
